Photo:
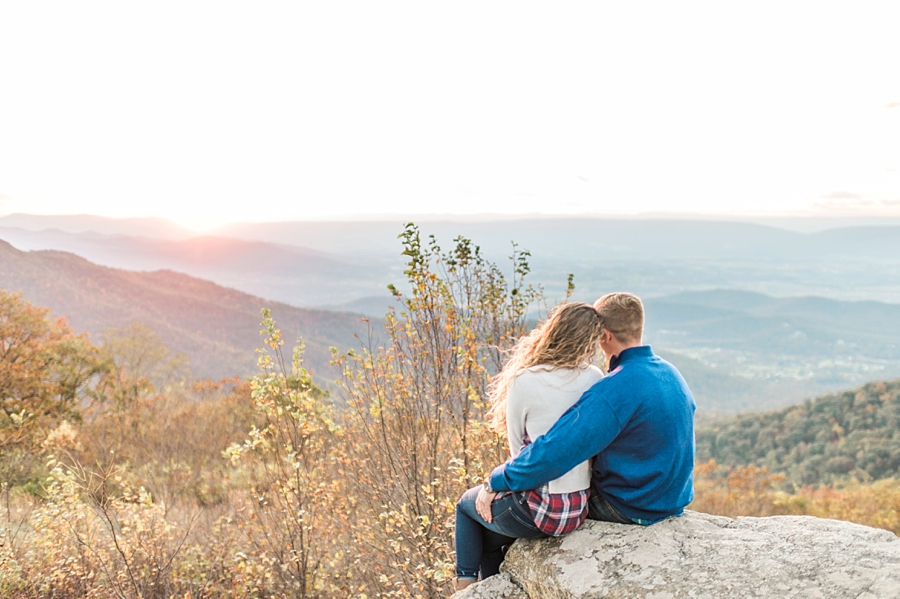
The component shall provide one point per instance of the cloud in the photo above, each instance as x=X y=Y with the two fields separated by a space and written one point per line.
x=892 y=105
x=842 y=195
x=5 y=198
x=891 y=202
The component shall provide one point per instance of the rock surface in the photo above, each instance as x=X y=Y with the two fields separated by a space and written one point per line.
x=702 y=556
x=495 y=587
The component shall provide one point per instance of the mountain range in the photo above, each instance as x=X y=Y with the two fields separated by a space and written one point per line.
x=287 y=273
x=582 y=238
x=216 y=327
x=545 y=236
x=778 y=350
x=747 y=321
x=340 y=264
x=88 y=223
x=710 y=289
x=739 y=351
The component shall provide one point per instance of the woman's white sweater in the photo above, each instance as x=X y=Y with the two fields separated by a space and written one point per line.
x=536 y=398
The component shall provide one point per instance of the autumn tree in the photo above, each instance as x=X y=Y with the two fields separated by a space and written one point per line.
x=142 y=363
x=46 y=373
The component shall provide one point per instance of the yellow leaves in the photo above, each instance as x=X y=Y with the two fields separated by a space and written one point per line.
x=78 y=542
x=375 y=408
x=314 y=501
x=18 y=419
x=62 y=437
x=838 y=430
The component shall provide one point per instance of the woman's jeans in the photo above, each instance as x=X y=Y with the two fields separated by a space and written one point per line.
x=480 y=546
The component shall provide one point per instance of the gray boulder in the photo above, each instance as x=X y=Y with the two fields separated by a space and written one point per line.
x=703 y=556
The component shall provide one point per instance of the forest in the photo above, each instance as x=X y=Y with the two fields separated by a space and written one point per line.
x=854 y=435
x=122 y=476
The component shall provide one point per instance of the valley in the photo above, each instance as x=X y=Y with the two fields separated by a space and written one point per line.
x=749 y=332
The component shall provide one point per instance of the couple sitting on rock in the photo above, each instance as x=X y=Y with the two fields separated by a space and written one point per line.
x=618 y=448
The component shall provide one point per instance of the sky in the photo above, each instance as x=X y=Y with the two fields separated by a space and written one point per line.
x=208 y=113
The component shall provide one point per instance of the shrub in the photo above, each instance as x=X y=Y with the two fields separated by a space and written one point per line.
x=414 y=420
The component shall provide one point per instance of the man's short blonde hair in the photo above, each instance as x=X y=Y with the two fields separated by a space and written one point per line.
x=622 y=315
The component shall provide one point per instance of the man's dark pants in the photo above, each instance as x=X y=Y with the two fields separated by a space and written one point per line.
x=601 y=509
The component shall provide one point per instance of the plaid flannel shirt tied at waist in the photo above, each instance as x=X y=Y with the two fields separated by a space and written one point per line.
x=556 y=514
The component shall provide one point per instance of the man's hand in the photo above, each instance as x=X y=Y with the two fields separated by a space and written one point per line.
x=483 y=504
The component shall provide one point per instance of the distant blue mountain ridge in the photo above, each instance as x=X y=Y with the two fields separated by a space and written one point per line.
x=327 y=264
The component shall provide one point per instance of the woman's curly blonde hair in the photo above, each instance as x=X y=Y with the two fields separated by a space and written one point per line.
x=567 y=339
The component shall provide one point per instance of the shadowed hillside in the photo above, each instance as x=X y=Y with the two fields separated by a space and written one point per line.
x=218 y=328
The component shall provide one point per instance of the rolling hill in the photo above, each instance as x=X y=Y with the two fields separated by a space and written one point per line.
x=803 y=326
x=287 y=273
x=216 y=327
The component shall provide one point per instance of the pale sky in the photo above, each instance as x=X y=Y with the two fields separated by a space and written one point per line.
x=208 y=113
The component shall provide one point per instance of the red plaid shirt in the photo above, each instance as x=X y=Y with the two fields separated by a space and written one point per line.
x=557 y=514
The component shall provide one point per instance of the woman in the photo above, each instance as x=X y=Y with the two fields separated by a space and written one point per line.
x=546 y=374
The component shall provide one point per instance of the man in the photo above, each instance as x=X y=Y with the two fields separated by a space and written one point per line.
x=637 y=422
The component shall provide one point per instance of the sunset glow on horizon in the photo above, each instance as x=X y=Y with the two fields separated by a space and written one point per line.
x=206 y=114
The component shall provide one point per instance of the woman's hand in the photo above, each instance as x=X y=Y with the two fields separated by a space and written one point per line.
x=483 y=504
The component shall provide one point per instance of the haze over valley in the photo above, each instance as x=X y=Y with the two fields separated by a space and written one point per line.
x=755 y=316
x=336 y=262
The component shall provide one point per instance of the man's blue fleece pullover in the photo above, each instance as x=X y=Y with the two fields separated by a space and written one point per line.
x=639 y=423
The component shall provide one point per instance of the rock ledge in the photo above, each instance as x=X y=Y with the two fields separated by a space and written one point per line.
x=702 y=556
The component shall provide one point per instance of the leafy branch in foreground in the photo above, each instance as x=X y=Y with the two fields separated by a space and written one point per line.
x=416 y=404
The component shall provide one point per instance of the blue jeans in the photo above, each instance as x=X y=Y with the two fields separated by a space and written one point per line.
x=601 y=509
x=480 y=546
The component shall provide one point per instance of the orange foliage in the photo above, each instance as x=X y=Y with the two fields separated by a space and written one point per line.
x=45 y=372
x=873 y=504
x=734 y=491
x=751 y=491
